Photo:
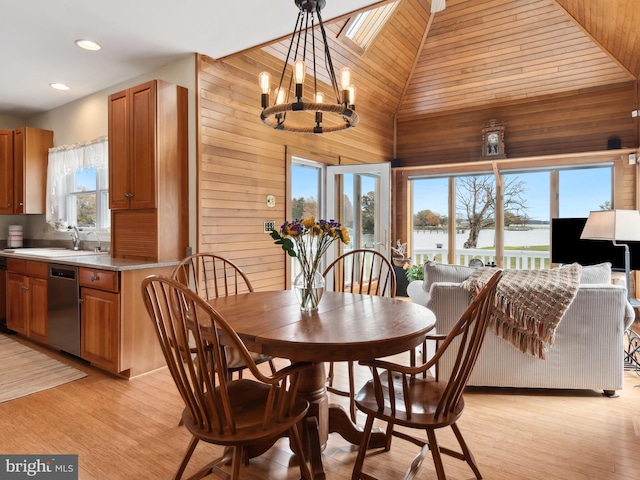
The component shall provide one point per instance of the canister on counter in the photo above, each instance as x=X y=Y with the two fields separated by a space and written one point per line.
x=14 y=240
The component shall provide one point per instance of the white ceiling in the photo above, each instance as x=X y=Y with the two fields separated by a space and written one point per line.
x=136 y=36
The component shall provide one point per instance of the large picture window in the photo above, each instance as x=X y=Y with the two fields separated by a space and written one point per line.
x=503 y=219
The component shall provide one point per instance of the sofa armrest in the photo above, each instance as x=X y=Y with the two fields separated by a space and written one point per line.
x=417 y=293
x=629 y=316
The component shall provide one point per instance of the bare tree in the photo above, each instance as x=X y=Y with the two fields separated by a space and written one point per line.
x=476 y=203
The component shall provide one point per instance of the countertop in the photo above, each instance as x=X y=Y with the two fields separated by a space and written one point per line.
x=89 y=259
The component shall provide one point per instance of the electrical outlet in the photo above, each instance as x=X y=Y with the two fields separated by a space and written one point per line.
x=632 y=159
x=268 y=226
x=271 y=201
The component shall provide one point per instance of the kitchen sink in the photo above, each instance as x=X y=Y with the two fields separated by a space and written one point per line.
x=51 y=252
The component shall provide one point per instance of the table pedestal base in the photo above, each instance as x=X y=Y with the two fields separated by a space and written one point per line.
x=332 y=418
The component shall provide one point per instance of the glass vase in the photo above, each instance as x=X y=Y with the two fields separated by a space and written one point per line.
x=309 y=287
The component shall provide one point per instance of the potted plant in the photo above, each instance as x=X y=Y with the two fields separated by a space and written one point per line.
x=415 y=272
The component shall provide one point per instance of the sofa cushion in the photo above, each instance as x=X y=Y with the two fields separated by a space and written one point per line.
x=438 y=272
x=600 y=273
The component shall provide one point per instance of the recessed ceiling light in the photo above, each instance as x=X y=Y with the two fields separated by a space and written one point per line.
x=59 y=86
x=88 y=44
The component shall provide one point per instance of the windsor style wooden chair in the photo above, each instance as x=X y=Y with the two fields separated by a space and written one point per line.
x=398 y=396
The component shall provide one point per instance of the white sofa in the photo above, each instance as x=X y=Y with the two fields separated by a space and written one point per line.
x=589 y=341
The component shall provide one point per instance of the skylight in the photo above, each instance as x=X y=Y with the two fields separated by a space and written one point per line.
x=363 y=28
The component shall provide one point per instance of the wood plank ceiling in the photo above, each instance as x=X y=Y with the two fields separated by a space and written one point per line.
x=494 y=51
x=484 y=52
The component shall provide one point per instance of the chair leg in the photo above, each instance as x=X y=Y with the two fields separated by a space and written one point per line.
x=330 y=375
x=362 y=450
x=296 y=446
x=435 y=451
x=352 y=390
x=388 y=437
x=466 y=452
x=187 y=456
x=237 y=461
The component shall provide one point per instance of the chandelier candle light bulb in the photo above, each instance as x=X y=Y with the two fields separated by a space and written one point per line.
x=265 y=86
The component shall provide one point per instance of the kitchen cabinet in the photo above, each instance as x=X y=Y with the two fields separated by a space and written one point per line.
x=148 y=171
x=116 y=331
x=27 y=299
x=100 y=318
x=6 y=171
x=23 y=162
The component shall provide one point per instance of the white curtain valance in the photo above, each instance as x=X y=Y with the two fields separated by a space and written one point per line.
x=64 y=161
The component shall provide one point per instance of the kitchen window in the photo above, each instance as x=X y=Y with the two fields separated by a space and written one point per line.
x=77 y=186
x=87 y=201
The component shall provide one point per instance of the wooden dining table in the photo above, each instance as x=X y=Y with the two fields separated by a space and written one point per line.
x=344 y=327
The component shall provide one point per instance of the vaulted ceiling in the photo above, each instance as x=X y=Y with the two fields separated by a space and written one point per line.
x=504 y=50
x=484 y=52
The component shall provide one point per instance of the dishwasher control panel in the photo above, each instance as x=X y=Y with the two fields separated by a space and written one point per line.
x=62 y=272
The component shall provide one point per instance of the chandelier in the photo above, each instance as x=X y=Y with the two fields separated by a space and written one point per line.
x=307 y=116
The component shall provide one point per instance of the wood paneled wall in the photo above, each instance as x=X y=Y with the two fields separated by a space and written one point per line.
x=241 y=161
x=579 y=122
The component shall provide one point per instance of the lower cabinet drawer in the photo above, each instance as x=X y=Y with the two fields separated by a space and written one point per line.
x=99 y=279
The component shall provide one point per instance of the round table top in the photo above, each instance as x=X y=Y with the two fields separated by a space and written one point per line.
x=345 y=327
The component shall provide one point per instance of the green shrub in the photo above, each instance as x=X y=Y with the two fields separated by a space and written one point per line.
x=415 y=272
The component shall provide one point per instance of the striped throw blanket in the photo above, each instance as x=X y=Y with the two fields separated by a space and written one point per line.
x=529 y=304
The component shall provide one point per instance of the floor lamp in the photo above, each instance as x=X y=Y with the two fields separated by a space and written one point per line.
x=615 y=225
x=619 y=225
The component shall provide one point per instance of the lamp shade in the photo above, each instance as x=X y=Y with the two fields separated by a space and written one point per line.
x=612 y=225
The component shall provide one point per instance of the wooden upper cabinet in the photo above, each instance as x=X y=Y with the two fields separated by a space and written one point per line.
x=148 y=171
x=6 y=171
x=30 y=158
x=144 y=124
x=132 y=148
x=118 y=150
x=24 y=156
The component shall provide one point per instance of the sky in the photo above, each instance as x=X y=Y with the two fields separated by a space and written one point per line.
x=581 y=190
x=86 y=178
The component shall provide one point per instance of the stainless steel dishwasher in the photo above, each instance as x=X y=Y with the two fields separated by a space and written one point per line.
x=64 y=308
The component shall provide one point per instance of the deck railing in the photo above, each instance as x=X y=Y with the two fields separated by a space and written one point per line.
x=514 y=259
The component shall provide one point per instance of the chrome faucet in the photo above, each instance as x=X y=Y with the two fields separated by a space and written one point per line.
x=99 y=247
x=75 y=237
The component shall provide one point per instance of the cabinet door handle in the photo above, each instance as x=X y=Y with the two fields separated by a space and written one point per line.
x=95 y=278
x=24 y=287
x=8 y=204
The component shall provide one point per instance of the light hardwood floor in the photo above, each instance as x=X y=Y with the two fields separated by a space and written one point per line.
x=129 y=430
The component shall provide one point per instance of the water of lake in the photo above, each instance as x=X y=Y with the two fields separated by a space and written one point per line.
x=537 y=235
